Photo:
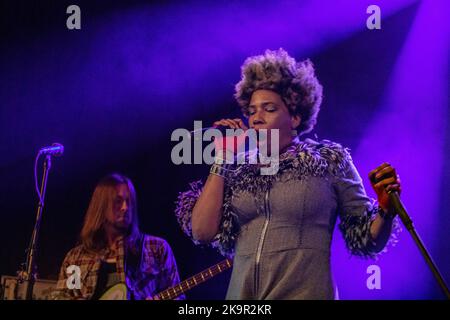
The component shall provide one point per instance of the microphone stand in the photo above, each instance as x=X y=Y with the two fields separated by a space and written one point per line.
x=401 y=211
x=28 y=276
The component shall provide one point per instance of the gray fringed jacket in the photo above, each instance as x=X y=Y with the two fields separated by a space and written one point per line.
x=278 y=227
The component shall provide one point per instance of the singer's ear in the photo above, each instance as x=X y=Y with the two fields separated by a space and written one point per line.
x=295 y=121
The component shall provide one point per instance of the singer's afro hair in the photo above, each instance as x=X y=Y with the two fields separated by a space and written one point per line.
x=294 y=81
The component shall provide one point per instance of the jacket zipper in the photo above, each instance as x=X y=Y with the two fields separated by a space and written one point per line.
x=261 y=241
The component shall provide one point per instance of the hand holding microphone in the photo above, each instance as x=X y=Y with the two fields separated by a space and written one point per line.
x=387 y=185
x=231 y=123
x=228 y=146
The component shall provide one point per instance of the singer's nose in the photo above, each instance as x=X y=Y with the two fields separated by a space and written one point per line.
x=258 y=117
x=257 y=121
x=124 y=207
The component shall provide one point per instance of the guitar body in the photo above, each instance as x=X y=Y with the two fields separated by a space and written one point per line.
x=116 y=292
x=119 y=291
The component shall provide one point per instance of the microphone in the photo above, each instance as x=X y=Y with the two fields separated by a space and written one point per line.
x=56 y=149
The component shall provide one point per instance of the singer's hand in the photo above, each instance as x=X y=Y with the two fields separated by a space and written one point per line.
x=230 y=145
x=232 y=123
x=383 y=180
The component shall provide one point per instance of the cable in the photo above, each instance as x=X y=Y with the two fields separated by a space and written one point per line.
x=36 y=178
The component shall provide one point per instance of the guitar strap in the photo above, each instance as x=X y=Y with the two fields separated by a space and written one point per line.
x=133 y=263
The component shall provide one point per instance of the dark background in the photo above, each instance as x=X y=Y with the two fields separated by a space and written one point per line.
x=85 y=90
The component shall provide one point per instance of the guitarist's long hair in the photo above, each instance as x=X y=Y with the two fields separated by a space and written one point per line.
x=93 y=234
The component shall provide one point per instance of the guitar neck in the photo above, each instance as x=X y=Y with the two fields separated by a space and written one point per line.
x=195 y=280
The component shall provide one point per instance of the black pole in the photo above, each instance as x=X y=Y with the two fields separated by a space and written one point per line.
x=31 y=268
x=401 y=211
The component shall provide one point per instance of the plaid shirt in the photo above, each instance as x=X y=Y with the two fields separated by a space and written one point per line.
x=156 y=271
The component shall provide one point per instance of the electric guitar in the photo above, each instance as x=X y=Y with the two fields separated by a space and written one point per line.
x=119 y=291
